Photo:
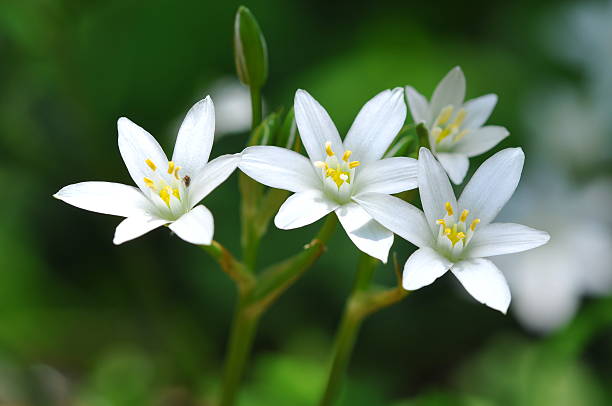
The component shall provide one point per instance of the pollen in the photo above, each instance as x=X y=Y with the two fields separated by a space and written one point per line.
x=444 y=128
x=449 y=208
x=165 y=194
x=354 y=164
x=464 y=215
x=474 y=224
x=170 y=167
x=346 y=155
x=328 y=149
x=149 y=183
x=441 y=222
x=445 y=115
x=150 y=164
x=176 y=193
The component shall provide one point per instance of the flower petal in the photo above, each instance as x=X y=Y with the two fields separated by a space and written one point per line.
x=105 y=197
x=450 y=91
x=135 y=226
x=391 y=175
x=136 y=146
x=505 y=238
x=419 y=107
x=493 y=184
x=478 y=110
x=484 y=281
x=376 y=125
x=434 y=188
x=365 y=232
x=481 y=140
x=423 y=267
x=280 y=168
x=315 y=126
x=398 y=216
x=195 y=138
x=455 y=165
x=196 y=226
x=303 y=208
x=211 y=176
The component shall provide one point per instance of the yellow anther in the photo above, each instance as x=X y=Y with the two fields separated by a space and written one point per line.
x=449 y=208
x=447 y=231
x=464 y=215
x=170 y=167
x=445 y=115
x=150 y=164
x=176 y=172
x=461 y=134
x=453 y=235
x=346 y=155
x=443 y=134
x=176 y=193
x=461 y=114
x=328 y=149
x=474 y=224
x=354 y=164
x=460 y=236
x=320 y=164
x=441 y=222
x=149 y=183
x=165 y=194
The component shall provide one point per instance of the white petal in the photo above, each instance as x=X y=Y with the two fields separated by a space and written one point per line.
x=376 y=125
x=195 y=138
x=434 y=188
x=505 y=238
x=391 y=175
x=455 y=165
x=478 y=110
x=419 y=108
x=280 y=168
x=398 y=216
x=136 y=146
x=493 y=184
x=315 y=126
x=484 y=281
x=105 y=197
x=303 y=208
x=481 y=140
x=211 y=176
x=196 y=226
x=135 y=226
x=450 y=91
x=365 y=232
x=423 y=267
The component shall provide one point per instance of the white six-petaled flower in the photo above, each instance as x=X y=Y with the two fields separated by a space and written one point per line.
x=338 y=172
x=455 y=128
x=168 y=191
x=456 y=234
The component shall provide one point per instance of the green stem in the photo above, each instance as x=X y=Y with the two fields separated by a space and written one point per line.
x=256 y=107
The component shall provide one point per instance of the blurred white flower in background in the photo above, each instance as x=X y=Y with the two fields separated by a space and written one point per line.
x=232 y=106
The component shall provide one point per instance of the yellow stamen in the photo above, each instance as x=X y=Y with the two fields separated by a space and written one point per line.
x=176 y=172
x=441 y=222
x=449 y=208
x=445 y=115
x=346 y=155
x=150 y=164
x=328 y=149
x=460 y=236
x=443 y=134
x=461 y=134
x=447 y=231
x=474 y=224
x=176 y=193
x=149 y=183
x=354 y=164
x=165 y=194
x=320 y=164
x=170 y=167
x=453 y=235
x=461 y=114
x=464 y=215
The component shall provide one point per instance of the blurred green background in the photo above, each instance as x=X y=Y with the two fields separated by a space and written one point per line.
x=83 y=322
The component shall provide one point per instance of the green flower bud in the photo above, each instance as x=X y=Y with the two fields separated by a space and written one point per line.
x=250 y=50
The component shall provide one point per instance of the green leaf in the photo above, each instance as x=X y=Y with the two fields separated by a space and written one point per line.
x=250 y=50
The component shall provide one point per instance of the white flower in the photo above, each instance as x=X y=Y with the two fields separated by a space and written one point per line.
x=168 y=191
x=455 y=128
x=456 y=235
x=338 y=172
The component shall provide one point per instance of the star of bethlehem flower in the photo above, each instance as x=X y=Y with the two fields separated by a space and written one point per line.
x=455 y=128
x=338 y=171
x=456 y=234
x=168 y=192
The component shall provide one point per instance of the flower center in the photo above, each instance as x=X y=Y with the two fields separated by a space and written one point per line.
x=339 y=170
x=453 y=230
x=165 y=185
x=446 y=130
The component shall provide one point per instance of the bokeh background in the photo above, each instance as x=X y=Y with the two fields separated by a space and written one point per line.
x=83 y=322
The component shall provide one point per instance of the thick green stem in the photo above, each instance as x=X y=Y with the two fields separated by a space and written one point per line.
x=256 y=107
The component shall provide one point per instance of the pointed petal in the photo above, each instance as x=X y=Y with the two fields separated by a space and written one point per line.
x=484 y=281
x=493 y=184
x=398 y=216
x=280 y=168
x=212 y=175
x=434 y=188
x=303 y=208
x=136 y=146
x=196 y=226
x=481 y=140
x=391 y=175
x=478 y=110
x=195 y=138
x=315 y=127
x=105 y=197
x=365 y=232
x=455 y=165
x=423 y=267
x=450 y=91
x=135 y=226
x=376 y=125
x=505 y=238
x=419 y=107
